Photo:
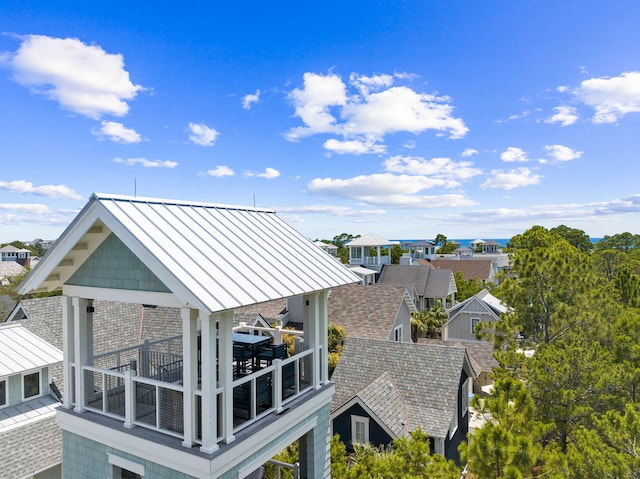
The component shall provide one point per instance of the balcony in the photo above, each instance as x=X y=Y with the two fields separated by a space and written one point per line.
x=143 y=385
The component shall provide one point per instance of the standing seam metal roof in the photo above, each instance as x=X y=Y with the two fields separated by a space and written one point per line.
x=214 y=256
x=21 y=350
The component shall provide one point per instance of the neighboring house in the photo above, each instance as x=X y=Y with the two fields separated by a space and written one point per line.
x=465 y=316
x=491 y=247
x=368 y=276
x=481 y=269
x=30 y=439
x=168 y=408
x=476 y=243
x=424 y=282
x=420 y=250
x=376 y=311
x=371 y=251
x=328 y=247
x=17 y=255
x=385 y=390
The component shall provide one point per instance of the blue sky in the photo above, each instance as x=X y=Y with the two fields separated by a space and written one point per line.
x=405 y=119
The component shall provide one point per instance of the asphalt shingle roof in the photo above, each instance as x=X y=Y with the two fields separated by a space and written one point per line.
x=426 y=375
x=469 y=268
x=365 y=311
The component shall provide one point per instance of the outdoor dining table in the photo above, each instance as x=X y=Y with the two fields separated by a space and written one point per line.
x=252 y=341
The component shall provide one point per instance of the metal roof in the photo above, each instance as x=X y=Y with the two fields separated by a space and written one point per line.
x=21 y=350
x=213 y=257
x=371 y=240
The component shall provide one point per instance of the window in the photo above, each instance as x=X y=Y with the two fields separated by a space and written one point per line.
x=359 y=429
x=397 y=334
x=466 y=394
x=125 y=468
x=3 y=392
x=31 y=385
x=474 y=324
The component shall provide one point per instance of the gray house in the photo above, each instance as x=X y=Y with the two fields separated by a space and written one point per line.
x=386 y=389
x=424 y=282
x=376 y=311
x=464 y=317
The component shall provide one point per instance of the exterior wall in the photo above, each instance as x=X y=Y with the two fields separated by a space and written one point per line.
x=459 y=327
x=342 y=426
x=15 y=389
x=451 y=444
x=113 y=265
x=403 y=318
x=54 y=472
x=83 y=457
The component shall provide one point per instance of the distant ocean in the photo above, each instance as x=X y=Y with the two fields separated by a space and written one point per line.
x=467 y=242
x=463 y=242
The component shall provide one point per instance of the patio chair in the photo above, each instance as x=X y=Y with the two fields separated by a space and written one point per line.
x=241 y=355
x=271 y=352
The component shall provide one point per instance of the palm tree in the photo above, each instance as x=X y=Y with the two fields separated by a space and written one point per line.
x=427 y=321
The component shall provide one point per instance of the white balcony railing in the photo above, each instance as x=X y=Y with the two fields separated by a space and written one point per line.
x=123 y=393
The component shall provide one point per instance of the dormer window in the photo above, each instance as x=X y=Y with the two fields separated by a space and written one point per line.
x=3 y=392
x=31 y=385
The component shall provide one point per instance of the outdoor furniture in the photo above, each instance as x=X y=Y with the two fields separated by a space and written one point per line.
x=241 y=355
x=242 y=394
x=252 y=342
x=271 y=352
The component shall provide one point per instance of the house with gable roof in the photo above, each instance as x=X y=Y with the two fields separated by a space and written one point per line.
x=122 y=415
x=375 y=311
x=464 y=317
x=30 y=440
x=425 y=283
x=386 y=389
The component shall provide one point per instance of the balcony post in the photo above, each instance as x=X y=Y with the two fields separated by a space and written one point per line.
x=323 y=359
x=129 y=396
x=209 y=416
x=225 y=331
x=277 y=385
x=189 y=372
x=312 y=337
x=68 y=351
x=80 y=347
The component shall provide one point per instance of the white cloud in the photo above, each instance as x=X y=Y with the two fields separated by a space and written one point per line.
x=611 y=97
x=353 y=147
x=565 y=115
x=445 y=169
x=367 y=111
x=250 y=99
x=202 y=135
x=562 y=153
x=49 y=191
x=469 y=152
x=117 y=133
x=268 y=173
x=146 y=163
x=220 y=171
x=81 y=78
x=508 y=180
x=328 y=209
x=35 y=209
x=513 y=154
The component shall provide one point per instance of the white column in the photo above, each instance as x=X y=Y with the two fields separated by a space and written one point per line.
x=209 y=384
x=80 y=343
x=312 y=336
x=67 y=350
x=189 y=372
x=323 y=324
x=225 y=345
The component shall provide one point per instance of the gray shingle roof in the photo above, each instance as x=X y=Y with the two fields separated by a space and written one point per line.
x=30 y=448
x=480 y=352
x=428 y=282
x=469 y=268
x=365 y=311
x=426 y=375
x=383 y=399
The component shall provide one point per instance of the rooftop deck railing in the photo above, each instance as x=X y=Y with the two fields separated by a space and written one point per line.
x=149 y=393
